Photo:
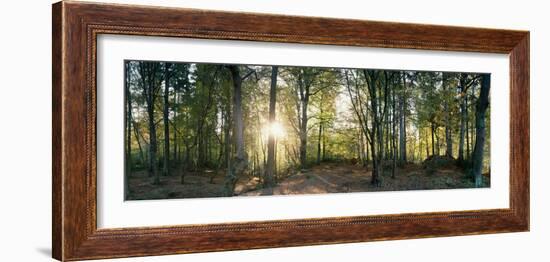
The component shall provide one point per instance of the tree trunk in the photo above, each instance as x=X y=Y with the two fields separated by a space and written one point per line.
x=174 y=134
x=227 y=137
x=320 y=133
x=481 y=108
x=470 y=136
x=375 y=160
x=240 y=162
x=148 y=73
x=319 y=142
x=166 y=157
x=402 y=123
x=367 y=154
x=323 y=156
x=128 y=134
x=437 y=142
x=375 y=127
x=427 y=144
x=227 y=148
x=362 y=156
x=463 y=118
x=303 y=130
x=137 y=135
x=185 y=164
x=271 y=171
x=448 y=128
x=152 y=143
x=393 y=140
x=433 y=138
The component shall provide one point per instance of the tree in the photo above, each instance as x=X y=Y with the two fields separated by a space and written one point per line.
x=150 y=84
x=394 y=140
x=376 y=139
x=270 y=169
x=464 y=83
x=358 y=98
x=128 y=123
x=181 y=85
x=365 y=100
x=324 y=108
x=403 y=120
x=206 y=79
x=447 y=96
x=481 y=108
x=240 y=161
x=304 y=78
x=166 y=106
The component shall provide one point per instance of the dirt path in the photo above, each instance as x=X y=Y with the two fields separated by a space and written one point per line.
x=343 y=178
x=324 y=178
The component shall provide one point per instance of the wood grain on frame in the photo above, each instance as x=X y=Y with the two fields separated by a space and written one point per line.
x=75 y=29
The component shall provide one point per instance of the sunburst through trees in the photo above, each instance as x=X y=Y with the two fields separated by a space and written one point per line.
x=212 y=130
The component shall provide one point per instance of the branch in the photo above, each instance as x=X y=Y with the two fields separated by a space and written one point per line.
x=252 y=71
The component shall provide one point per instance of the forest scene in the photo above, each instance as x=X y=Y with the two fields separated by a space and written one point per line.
x=196 y=130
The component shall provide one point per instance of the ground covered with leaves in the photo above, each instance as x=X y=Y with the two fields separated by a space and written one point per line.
x=434 y=173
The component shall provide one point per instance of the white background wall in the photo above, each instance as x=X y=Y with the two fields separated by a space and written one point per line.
x=25 y=129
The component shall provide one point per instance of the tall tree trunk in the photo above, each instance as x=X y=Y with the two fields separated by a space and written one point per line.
x=240 y=162
x=271 y=171
x=128 y=168
x=481 y=108
x=470 y=136
x=137 y=136
x=388 y=147
x=227 y=147
x=468 y=142
x=152 y=142
x=323 y=156
x=221 y=140
x=427 y=144
x=148 y=73
x=303 y=130
x=375 y=160
x=200 y=143
x=433 y=138
x=448 y=128
x=174 y=133
x=165 y=169
x=227 y=136
x=238 y=124
x=402 y=122
x=185 y=163
x=375 y=127
x=367 y=153
x=463 y=118
x=384 y=123
x=393 y=140
x=320 y=133
x=362 y=156
x=437 y=142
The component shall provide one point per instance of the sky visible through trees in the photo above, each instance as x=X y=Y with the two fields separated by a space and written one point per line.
x=213 y=130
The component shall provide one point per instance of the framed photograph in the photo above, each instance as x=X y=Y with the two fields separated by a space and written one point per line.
x=181 y=130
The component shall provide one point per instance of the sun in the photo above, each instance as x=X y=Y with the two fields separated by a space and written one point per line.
x=275 y=129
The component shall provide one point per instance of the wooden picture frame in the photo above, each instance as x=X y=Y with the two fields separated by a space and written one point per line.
x=76 y=26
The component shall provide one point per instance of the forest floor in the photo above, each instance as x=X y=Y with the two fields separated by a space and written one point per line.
x=342 y=178
x=323 y=178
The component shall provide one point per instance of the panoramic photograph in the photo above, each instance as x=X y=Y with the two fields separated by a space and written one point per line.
x=202 y=130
